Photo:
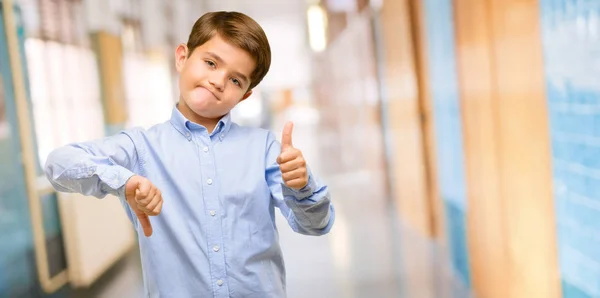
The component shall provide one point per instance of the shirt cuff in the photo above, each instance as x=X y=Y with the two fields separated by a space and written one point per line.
x=115 y=177
x=303 y=193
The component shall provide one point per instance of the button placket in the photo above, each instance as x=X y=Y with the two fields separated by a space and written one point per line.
x=211 y=203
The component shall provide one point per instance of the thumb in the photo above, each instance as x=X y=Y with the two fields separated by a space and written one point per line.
x=286 y=137
x=145 y=222
x=131 y=187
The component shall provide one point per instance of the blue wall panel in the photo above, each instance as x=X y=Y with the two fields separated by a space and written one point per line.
x=18 y=273
x=448 y=128
x=17 y=268
x=571 y=43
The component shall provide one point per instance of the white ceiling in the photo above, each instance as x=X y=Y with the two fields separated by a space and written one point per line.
x=260 y=9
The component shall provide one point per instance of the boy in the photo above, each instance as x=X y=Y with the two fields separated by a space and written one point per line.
x=199 y=187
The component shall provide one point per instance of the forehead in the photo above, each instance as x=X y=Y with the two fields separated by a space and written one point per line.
x=233 y=56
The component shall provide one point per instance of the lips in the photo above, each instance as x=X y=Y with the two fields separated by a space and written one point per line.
x=209 y=91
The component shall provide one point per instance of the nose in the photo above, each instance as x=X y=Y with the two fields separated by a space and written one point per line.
x=217 y=80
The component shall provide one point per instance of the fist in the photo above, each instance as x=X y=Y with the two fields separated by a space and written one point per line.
x=291 y=162
x=144 y=199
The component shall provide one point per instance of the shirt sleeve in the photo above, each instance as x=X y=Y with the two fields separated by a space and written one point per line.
x=309 y=210
x=94 y=168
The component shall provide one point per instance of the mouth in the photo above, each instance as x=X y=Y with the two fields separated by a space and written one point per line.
x=209 y=90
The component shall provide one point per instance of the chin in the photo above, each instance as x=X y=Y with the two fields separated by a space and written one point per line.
x=204 y=106
x=205 y=111
x=198 y=102
x=200 y=109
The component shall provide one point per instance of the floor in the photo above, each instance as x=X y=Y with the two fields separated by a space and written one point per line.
x=368 y=253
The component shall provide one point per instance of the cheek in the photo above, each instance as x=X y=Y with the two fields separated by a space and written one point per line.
x=191 y=74
x=234 y=96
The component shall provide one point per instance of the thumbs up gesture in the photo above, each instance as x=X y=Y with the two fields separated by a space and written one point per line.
x=291 y=162
x=145 y=200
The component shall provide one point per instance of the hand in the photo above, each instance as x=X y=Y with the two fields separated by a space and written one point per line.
x=291 y=162
x=144 y=199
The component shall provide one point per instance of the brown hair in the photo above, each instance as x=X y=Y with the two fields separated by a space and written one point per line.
x=238 y=29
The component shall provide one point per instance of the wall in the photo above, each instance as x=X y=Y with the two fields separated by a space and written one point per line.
x=347 y=93
x=401 y=97
x=16 y=248
x=443 y=84
x=510 y=219
x=571 y=43
x=16 y=253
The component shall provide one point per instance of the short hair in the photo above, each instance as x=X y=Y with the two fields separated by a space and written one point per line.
x=241 y=31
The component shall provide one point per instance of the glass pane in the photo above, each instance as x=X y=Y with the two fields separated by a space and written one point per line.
x=3 y=120
x=16 y=251
x=54 y=240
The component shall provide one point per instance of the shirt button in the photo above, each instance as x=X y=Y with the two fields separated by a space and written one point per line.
x=213 y=213
x=205 y=149
x=216 y=248
x=219 y=282
x=209 y=181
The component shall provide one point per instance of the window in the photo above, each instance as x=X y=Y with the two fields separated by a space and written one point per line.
x=3 y=120
x=63 y=75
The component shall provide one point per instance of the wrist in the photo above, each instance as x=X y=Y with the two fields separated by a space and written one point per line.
x=301 y=193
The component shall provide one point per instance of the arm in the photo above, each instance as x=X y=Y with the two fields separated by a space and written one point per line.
x=308 y=207
x=102 y=167
x=94 y=168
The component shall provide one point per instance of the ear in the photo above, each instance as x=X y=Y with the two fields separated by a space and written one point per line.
x=246 y=95
x=181 y=55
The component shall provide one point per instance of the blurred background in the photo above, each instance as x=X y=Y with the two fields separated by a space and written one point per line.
x=460 y=139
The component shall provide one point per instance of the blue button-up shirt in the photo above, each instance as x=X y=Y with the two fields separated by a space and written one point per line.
x=216 y=235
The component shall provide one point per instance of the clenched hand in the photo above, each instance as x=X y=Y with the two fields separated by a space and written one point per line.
x=145 y=200
x=291 y=162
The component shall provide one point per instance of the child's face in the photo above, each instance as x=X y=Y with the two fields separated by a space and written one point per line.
x=214 y=78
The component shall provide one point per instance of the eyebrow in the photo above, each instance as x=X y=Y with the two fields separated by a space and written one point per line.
x=236 y=73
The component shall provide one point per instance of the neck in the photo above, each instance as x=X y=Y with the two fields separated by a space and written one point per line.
x=209 y=123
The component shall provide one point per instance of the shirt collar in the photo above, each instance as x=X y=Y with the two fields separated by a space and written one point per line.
x=185 y=126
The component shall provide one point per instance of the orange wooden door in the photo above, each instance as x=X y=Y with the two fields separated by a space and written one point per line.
x=512 y=242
